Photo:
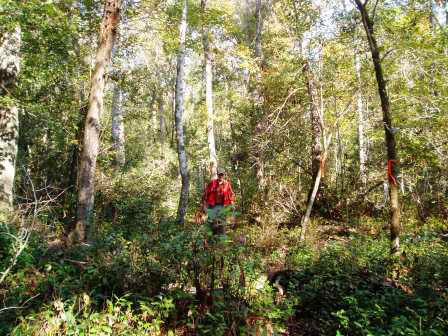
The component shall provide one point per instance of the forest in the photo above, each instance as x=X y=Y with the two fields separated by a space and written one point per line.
x=224 y=167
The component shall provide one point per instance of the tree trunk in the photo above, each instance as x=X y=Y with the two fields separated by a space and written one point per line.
x=76 y=151
x=118 y=127
x=73 y=179
x=90 y=149
x=178 y=117
x=313 y=193
x=208 y=78
x=162 y=127
x=316 y=125
x=431 y=15
x=258 y=30
x=446 y=12
x=118 y=132
x=10 y=43
x=258 y=99
x=392 y=157
x=362 y=149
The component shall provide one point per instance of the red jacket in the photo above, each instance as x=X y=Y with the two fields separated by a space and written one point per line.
x=211 y=193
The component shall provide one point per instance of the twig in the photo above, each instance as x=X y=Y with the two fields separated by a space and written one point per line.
x=386 y=54
x=19 y=307
x=33 y=189
x=22 y=241
x=365 y=193
x=77 y=261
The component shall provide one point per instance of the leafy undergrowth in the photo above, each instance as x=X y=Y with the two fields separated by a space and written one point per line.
x=357 y=289
x=148 y=285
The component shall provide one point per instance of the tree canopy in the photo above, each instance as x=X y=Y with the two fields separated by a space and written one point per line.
x=329 y=119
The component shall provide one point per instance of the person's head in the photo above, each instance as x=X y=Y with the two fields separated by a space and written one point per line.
x=221 y=174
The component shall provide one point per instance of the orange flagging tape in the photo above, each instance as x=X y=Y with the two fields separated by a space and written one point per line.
x=390 y=173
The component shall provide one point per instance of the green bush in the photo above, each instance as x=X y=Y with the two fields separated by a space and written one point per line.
x=350 y=290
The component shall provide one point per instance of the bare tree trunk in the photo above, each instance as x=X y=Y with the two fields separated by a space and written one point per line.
x=318 y=157
x=76 y=152
x=118 y=127
x=444 y=3
x=337 y=158
x=313 y=193
x=178 y=116
x=362 y=150
x=316 y=125
x=258 y=122
x=118 y=130
x=208 y=77
x=10 y=43
x=258 y=30
x=431 y=15
x=90 y=149
x=162 y=127
x=392 y=157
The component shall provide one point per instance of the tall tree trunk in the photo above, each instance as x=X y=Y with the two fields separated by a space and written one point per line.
x=362 y=149
x=118 y=127
x=431 y=15
x=72 y=178
x=76 y=151
x=257 y=119
x=10 y=43
x=258 y=30
x=316 y=124
x=392 y=157
x=445 y=3
x=90 y=149
x=313 y=193
x=162 y=127
x=178 y=117
x=208 y=78
x=118 y=132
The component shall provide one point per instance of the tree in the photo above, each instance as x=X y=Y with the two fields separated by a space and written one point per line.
x=316 y=120
x=118 y=132
x=259 y=20
x=208 y=79
x=178 y=116
x=118 y=126
x=258 y=100
x=362 y=145
x=162 y=126
x=92 y=126
x=10 y=42
x=392 y=157
x=316 y=123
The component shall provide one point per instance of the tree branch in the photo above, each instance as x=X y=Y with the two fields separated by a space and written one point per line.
x=19 y=307
x=374 y=10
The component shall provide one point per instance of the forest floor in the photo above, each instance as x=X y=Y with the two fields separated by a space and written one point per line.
x=258 y=280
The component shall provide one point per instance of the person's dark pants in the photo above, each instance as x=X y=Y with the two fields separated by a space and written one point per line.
x=217 y=219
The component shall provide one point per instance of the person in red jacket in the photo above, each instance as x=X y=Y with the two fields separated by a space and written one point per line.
x=217 y=202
